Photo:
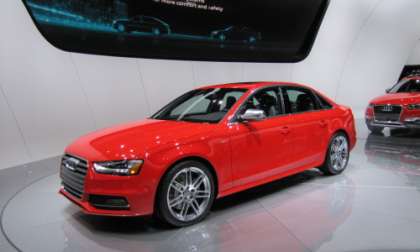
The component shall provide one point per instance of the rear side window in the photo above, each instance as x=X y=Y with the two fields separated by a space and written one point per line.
x=299 y=100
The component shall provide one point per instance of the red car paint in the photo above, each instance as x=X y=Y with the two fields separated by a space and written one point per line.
x=243 y=155
x=403 y=99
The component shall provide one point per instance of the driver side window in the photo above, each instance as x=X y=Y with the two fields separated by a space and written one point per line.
x=266 y=100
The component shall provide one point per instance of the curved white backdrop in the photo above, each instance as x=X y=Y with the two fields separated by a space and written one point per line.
x=49 y=97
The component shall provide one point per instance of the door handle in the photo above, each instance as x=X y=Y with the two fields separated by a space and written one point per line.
x=285 y=130
x=323 y=123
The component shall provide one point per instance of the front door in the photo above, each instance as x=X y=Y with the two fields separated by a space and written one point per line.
x=260 y=149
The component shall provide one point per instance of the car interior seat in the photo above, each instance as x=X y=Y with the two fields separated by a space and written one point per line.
x=230 y=101
x=268 y=105
x=304 y=103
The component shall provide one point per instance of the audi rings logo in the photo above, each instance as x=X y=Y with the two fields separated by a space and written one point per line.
x=387 y=108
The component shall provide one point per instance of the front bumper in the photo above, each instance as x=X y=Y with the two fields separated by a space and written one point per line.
x=137 y=191
x=408 y=123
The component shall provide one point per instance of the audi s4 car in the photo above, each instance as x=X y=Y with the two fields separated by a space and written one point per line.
x=237 y=33
x=141 y=23
x=208 y=143
x=399 y=108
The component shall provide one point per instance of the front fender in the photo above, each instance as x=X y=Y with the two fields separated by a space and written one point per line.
x=216 y=152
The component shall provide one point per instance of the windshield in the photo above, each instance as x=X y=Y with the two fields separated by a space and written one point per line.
x=406 y=86
x=203 y=105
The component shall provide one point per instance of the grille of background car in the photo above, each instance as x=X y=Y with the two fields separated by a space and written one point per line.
x=387 y=113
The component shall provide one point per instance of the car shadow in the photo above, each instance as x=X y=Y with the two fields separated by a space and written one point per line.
x=265 y=190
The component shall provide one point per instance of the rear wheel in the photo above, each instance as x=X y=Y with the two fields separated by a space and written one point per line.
x=338 y=154
x=186 y=194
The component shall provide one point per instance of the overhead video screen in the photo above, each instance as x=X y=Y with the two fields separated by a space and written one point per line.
x=216 y=30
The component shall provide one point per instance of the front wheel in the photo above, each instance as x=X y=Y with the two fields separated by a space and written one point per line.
x=338 y=154
x=186 y=194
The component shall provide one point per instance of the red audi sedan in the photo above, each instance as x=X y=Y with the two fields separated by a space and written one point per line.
x=208 y=143
x=399 y=108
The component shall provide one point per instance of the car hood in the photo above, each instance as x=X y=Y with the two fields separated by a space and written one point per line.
x=134 y=140
x=398 y=98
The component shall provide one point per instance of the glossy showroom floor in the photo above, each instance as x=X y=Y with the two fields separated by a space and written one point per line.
x=373 y=206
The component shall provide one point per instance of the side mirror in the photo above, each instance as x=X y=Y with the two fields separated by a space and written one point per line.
x=388 y=90
x=253 y=115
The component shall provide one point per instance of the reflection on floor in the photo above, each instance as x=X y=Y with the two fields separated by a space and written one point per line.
x=373 y=206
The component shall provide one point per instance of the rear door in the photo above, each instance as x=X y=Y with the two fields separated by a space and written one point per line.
x=309 y=124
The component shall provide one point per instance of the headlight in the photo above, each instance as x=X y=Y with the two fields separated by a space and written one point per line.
x=122 y=168
x=371 y=105
x=413 y=106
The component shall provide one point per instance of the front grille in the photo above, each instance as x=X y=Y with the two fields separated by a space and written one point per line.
x=73 y=173
x=387 y=113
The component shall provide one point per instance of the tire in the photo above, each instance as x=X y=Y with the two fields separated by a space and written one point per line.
x=337 y=156
x=179 y=202
x=375 y=130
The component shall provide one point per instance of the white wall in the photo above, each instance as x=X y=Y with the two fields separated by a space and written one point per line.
x=49 y=97
x=414 y=58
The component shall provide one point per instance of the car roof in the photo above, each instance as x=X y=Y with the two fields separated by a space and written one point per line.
x=253 y=85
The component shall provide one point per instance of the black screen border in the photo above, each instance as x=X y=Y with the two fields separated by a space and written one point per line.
x=307 y=47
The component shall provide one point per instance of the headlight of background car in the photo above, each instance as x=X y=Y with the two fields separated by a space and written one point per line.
x=414 y=107
x=122 y=168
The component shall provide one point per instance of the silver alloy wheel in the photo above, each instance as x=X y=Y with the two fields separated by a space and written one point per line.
x=339 y=153
x=189 y=194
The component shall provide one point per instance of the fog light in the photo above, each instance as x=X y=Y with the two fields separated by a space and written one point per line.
x=109 y=202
